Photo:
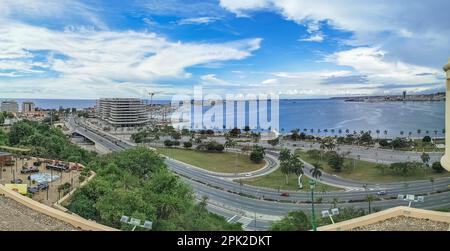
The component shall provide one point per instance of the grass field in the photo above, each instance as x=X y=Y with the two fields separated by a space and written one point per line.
x=420 y=146
x=217 y=162
x=366 y=171
x=277 y=180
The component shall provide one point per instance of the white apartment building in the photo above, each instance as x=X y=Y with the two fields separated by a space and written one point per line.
x=122 y=112
x=28 y=107
x=9 y=106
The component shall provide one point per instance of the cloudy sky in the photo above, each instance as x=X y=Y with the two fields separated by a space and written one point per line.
x=296 y=48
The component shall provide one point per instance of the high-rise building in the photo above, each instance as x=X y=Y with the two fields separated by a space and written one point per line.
x=122 y=112
x=28 y=107
x=9 y=106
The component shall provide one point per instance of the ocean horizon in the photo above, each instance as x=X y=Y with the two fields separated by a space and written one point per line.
x=394 y=117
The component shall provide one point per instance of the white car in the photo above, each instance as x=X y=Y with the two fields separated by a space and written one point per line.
x=381 y=193
x=248 y=174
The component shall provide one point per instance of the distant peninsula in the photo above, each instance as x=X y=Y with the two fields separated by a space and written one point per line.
x=440 y=96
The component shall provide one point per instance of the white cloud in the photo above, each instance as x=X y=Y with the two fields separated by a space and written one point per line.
x=398 y=27
x=213 y=80
x=271 y=81
x=197 y=20
x=80 y=54
x=64 y=11
x=375 y=63
x=313 y=38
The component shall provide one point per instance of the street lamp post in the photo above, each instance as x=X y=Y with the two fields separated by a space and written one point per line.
x=445 y=160
x=312 y=184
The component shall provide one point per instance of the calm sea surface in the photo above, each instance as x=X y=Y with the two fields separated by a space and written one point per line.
x=333 y=114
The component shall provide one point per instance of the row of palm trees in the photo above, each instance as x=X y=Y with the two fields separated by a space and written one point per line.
x=348 y=131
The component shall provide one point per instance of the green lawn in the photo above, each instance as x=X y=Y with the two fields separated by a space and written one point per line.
x=420 y=146
x=277 y=180
x=224 y=162
x=366 y=171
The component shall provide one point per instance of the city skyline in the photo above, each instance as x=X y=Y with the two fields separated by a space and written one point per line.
x=79 y=49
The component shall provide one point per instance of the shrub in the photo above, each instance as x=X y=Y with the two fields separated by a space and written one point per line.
x=187 y=144
x=168 y=143
x=314 y=154
x=257 y=154
x=437 y=167
x=335 y=160
x=426 y=139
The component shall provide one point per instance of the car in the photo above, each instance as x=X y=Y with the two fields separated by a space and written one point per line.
x=248 y=174
x=37 y=163
x=32 y=190
x=382 y=192
x=285 y=194
x=32 y=169
x=17 y=181
x=42 y=186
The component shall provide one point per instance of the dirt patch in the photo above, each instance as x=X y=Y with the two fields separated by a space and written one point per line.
x=403 y=223
x=17 y=217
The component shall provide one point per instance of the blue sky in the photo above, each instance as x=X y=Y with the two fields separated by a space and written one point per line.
x=294 y=48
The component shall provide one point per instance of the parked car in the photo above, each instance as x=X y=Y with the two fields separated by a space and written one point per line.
x=381 y=193
x=285 y=194
x=32 y=169
x=17 y=181
x=57 y=167
x=32 y=190
x=42 y=186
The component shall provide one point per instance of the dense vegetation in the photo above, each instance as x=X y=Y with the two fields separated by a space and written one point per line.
x=44 y=141
x=299 y=221
x=137 y=183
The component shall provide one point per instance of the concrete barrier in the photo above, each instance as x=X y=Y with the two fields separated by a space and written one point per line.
x=73 y=220
x=387 y=214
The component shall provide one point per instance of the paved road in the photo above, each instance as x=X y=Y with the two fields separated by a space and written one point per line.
x=385 y=156
x=224 y=197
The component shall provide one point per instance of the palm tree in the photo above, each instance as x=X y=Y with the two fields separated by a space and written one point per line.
x=311 y=130
x=316 y=172
x=409 y=134
x=340 y=131
x=296 y=167
x=385 y=133
x=378 y=133
x=425 y=159
x=334 y=202
x=203 y=202
x=402 y=132
x=432 y=184
x=418 y=132
x=347 y=131
x=369 y=199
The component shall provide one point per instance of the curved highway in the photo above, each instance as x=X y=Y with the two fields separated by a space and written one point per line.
x=266 y=204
